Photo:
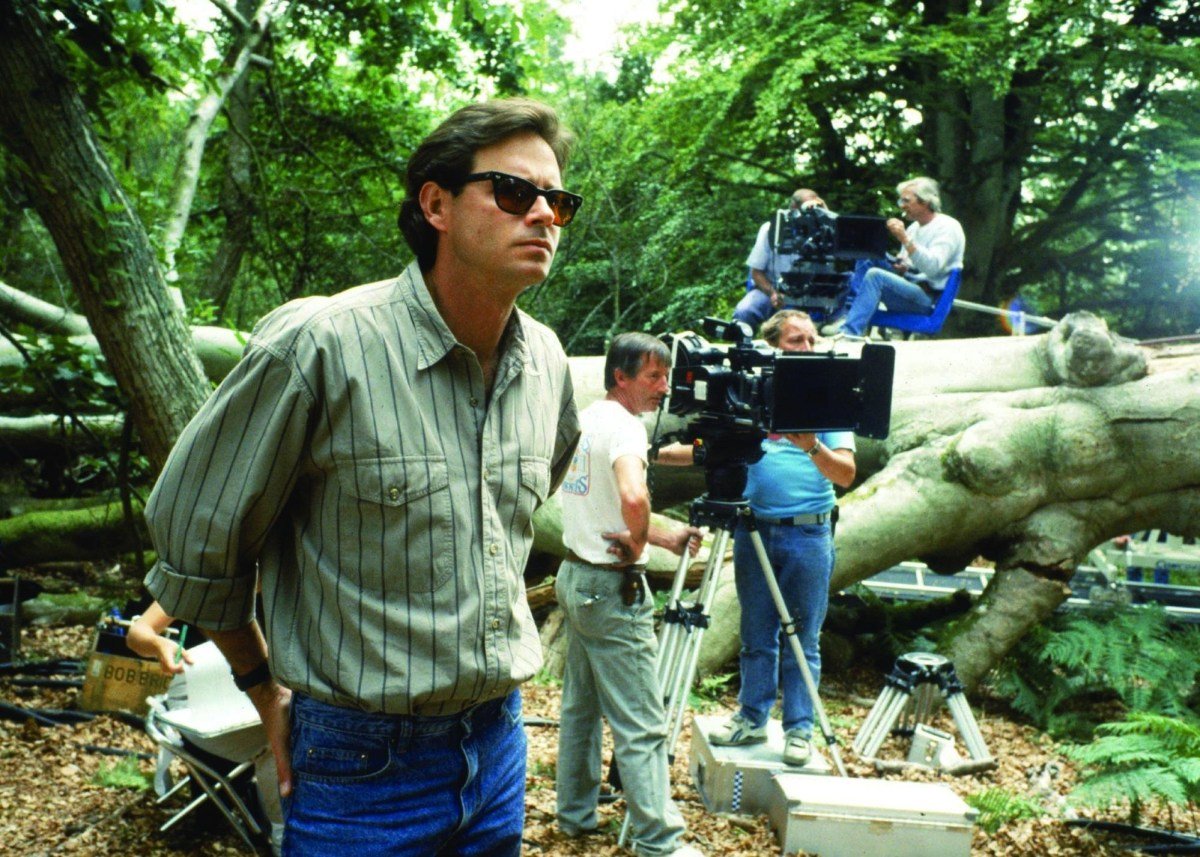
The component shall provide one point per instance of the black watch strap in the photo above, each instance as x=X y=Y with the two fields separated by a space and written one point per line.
x=256 y=676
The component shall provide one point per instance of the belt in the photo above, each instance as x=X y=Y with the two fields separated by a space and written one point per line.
x=612 y=566
x=631 y=583
x=795 y=520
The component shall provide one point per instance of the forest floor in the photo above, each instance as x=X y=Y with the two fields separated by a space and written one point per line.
x=52 y=802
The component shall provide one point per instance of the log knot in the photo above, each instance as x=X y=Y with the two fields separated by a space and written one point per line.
x=1080 y=351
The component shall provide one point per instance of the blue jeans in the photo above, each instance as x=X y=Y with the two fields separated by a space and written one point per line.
x=802 y=558
x=371 y=784
x=878 y=285
x=754 y=308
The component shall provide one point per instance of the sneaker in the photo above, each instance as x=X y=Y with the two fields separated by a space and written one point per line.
x=850 y=337
x=738 y=732
x=687 y=851
x=834 y=327
x=797 y=749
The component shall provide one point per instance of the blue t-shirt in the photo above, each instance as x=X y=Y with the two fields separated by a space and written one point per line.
x=786 y=481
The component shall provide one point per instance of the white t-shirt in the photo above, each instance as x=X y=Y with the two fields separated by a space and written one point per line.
x=591 y=504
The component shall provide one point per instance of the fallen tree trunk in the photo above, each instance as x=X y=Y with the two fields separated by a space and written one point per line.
x=1029 y=451
x=75 y=534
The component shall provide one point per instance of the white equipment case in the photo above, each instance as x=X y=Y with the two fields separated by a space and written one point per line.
x=847 y=817
x=738 y=779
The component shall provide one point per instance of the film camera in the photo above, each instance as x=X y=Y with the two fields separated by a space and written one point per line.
x=735 y=396
x=824 y=246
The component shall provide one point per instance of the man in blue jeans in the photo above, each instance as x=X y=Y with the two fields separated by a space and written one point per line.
x=931 y=247
x=791 y=493
x=375 y=459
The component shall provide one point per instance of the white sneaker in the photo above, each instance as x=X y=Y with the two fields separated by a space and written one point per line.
x=738 y=732
x=687 y=851
x=797 y=749
x=834 y=327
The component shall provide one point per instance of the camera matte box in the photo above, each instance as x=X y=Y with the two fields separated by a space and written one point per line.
x=850 y=817
x=738 y=779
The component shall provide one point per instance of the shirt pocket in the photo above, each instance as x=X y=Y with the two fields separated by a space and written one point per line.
x=535 y=485
x=401 y=524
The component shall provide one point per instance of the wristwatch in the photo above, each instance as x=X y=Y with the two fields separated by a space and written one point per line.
x=259 y=675
x=814 y=449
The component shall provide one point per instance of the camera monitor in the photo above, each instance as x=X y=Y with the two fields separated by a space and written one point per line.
x=833 y=392
x=860 y=236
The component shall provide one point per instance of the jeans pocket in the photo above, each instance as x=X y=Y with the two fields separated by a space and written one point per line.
x=332 y=756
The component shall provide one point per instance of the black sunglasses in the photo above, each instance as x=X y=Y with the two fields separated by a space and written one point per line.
x=515 y=195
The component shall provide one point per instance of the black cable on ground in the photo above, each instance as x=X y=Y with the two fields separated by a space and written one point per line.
x=1162 y=841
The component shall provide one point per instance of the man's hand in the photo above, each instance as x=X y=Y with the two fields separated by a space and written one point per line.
x=896 y=227
x=273 y=702
x=624 y=547
x=802 y=439
x=776 y=299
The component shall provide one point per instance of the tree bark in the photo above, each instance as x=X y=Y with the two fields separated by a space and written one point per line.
x=187 y=175
x=39 y=314
x=103 y=245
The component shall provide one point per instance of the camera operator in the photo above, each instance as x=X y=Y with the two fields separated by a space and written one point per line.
x=767 y=267
x=791 y=493
x=933 y=245
x=611 y=650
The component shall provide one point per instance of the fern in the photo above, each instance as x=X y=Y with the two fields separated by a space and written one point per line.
x=997 y=807
x=1146 y=758
x=1132 y=655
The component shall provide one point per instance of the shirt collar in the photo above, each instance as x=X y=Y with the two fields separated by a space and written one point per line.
x=435 y=339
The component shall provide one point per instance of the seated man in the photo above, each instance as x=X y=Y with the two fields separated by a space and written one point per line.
x=768 y=267
x=933 y=246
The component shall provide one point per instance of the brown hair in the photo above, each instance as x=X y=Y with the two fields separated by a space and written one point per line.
x=447 y=155
x=629 y=351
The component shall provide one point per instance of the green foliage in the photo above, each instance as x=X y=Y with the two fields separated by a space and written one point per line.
x=1145 y=759
x=707 y=692
x=545 y=678
x=123 y=774
x=72 y=378
x=1135 y=657
x=997 y=807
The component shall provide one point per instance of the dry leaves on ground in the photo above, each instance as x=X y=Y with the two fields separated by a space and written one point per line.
x=50 y=802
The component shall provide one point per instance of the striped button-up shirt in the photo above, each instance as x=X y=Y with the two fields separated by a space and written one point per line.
x=356 y=461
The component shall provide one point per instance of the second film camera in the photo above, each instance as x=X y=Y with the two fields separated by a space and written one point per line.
x=824 y=247
x=737 y=395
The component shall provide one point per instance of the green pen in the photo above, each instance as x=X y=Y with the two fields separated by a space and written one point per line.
x=182 y=639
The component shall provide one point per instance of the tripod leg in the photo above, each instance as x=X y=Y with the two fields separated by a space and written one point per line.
x=680 y=679
x=871 y=743
x=789 y=628
x=678 y=666
x=960 y=710
x=673 y=628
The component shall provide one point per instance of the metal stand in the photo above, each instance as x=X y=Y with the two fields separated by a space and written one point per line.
x=686 y=621
x=908 y=698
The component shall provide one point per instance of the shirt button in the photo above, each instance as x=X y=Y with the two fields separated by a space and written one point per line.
x=474 y=402
x=394 y=493
x=494 y=549
x=495 y=624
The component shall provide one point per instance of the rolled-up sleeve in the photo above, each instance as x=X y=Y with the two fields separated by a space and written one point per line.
x=567 y=436
x=223 y=488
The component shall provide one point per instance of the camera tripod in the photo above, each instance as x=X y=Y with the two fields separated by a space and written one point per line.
x=909 y=695
x=686 y=621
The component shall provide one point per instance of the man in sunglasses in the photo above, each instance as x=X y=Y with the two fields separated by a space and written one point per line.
x=932 y=246
x=376 y=458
